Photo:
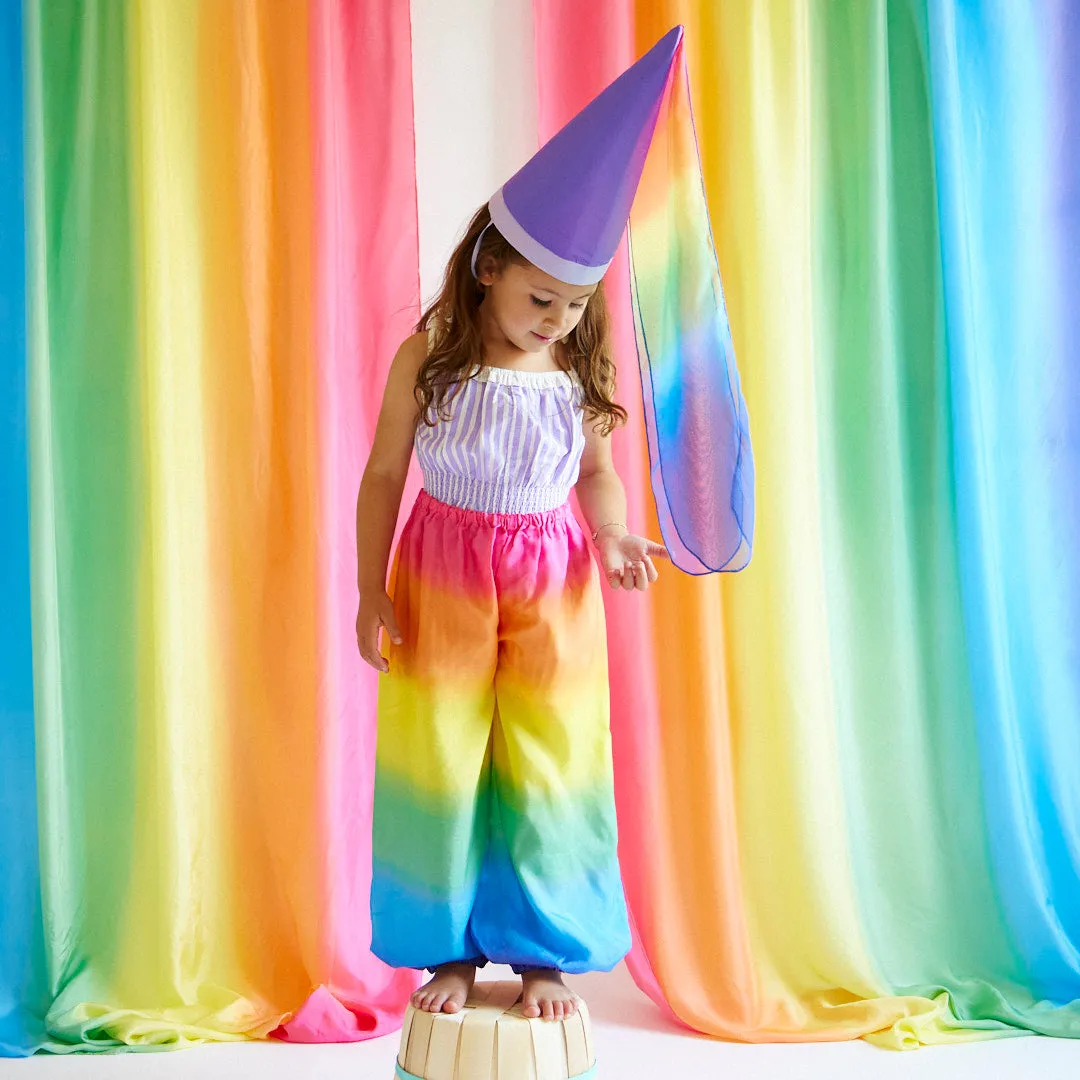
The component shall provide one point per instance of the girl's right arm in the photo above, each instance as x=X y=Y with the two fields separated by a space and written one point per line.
x=379 y=499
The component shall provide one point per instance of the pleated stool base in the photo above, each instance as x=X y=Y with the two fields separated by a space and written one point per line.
x=489 y=1039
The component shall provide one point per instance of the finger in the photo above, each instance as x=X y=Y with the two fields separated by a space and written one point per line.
x=389 y=620
x=628 y=577
x=375 y=659
x=641 y=577
x=614 y=576
x=657 y=550
x=612 y=562
x=369 y=649
x=650 y=569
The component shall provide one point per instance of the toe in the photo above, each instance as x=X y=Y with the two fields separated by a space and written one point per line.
x=549 y=1010
x=530 y=1008
x=452 y=1005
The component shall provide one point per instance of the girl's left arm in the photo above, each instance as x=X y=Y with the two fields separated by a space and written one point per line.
x=626 y=558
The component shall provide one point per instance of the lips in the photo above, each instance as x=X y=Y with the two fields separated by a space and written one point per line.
x=541 y=337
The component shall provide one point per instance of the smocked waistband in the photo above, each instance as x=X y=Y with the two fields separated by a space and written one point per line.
x=499 y=497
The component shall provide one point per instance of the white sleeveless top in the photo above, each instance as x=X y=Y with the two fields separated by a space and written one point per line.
x=512 y=445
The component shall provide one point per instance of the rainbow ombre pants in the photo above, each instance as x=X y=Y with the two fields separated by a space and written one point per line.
x=494 y=820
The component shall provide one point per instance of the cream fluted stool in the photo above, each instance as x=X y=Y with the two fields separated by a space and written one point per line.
x=489 y=1039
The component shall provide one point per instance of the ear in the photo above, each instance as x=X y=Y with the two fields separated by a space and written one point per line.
x=487 y=270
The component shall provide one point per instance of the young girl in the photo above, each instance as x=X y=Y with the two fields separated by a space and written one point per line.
x=494 y=821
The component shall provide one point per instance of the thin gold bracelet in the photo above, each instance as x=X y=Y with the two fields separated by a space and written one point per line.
x=605 y=525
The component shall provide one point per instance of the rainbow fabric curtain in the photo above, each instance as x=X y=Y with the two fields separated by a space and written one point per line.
x=846 y=777
x=208 y=189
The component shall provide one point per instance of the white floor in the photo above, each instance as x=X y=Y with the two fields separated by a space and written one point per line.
x=634 y=1042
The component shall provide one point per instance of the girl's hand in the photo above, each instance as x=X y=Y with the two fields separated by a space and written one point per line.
x=376 y=612
x=628 y=559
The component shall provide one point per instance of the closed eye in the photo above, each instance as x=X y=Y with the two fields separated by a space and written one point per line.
x=540 y=303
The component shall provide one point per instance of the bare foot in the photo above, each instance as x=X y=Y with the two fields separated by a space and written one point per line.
x=447 y=989
x=543 y=993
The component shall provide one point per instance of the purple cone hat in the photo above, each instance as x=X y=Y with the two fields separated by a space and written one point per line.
x=631 y=155
x=566 y=208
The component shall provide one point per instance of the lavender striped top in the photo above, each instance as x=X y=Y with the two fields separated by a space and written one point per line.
x=512 y=444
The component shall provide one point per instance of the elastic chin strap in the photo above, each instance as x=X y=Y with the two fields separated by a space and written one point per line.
x=476 y=246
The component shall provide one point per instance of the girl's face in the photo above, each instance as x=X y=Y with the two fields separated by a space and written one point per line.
x=531 y=309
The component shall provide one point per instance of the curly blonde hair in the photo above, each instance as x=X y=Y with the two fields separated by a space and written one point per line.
x=452 y=322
